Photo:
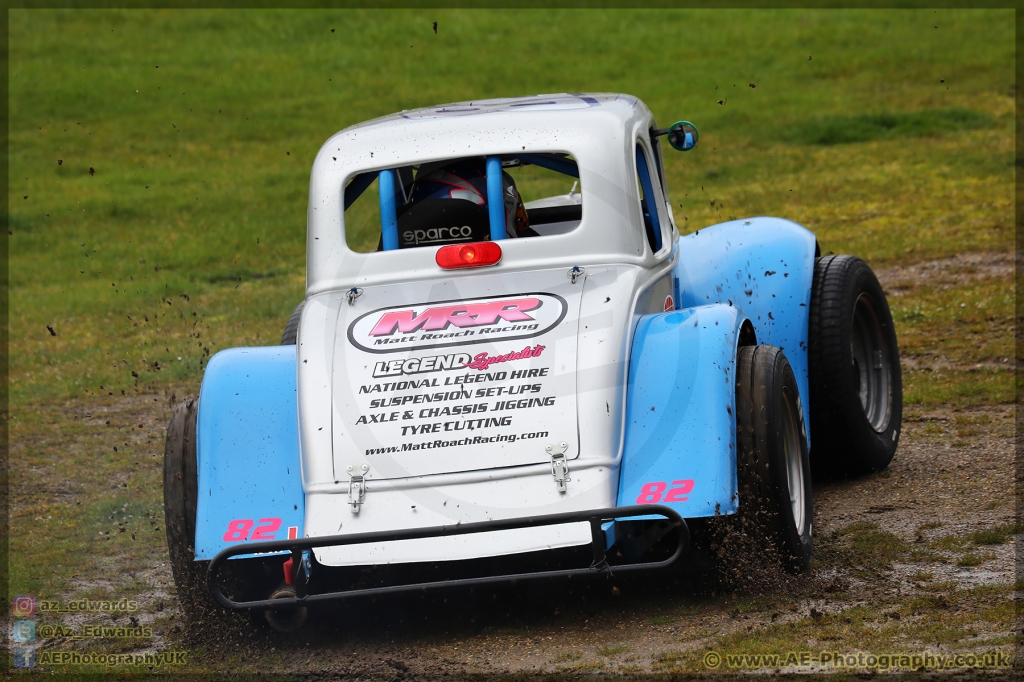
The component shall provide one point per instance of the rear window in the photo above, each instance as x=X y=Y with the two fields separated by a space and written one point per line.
x=448 y=202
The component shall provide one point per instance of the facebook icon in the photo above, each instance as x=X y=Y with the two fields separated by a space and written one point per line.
x=24 y=657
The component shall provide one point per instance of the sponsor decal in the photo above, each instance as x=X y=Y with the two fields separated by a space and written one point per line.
x=454 y=323
x=238 y=530
x=460 y=315
x=438 y=234
x=408 y=407
x=433 y=363
x=462 y=379
x=411 y=393
x=482 y=361
x=651 y=493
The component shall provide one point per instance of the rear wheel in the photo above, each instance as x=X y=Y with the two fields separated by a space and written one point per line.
x=285 y=620
x=240 y=579
x=180 y=494
x=772 y=462
x=291 y=328
x=855 y=380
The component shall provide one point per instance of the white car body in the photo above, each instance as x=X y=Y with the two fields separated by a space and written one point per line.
x=579 y=377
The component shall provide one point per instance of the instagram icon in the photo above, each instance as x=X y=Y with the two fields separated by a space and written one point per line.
x=24 y=605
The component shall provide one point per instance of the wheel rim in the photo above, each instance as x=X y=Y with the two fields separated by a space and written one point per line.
x=792 y=452
x=870 y=360
x=286 y=620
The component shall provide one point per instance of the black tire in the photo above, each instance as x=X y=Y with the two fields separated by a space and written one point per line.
x=771 y=450
x=240 y=579
x=285 y=620
x=854 y=366
x=180 y=495
x=291 y=328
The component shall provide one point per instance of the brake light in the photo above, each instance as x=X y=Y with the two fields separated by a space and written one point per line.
x=475 y=255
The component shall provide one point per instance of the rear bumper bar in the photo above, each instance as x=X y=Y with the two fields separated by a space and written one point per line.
x=599 y=566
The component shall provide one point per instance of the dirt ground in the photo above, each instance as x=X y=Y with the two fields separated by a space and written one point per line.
x=901 y=562
x=636 y=626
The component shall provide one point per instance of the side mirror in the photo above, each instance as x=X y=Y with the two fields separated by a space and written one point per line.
x=683 y=136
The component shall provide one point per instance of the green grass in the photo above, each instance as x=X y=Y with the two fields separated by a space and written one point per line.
x=159 y=168
x=201 y=165
x=936 y=622
x=950 y=543
x=995 y=536
x=69 y=523
x=972 y=559
x=972 y=326
x=612 y=650
x=889 y=125
x=864 y=547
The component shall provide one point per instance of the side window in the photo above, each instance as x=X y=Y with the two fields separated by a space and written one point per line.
x=362 y=213
x=659 y=163
x=648 y=201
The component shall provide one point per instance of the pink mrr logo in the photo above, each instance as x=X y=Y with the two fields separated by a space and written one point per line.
x=442 y=324
x=460 y=315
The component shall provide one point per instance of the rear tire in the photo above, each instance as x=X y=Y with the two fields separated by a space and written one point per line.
x=291 y=328
x=771 y=447
x=180 y=495
x=286 y=620
x=854 y=366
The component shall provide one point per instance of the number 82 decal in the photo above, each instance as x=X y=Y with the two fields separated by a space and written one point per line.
x=238 y=530
x=652 y=493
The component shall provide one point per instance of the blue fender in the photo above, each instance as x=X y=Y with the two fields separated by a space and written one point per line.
x=764 y=266
x=247 y=447
x=680 y=441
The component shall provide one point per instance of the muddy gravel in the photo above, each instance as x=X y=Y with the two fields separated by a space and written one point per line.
x=625 y=626
x=945 y=273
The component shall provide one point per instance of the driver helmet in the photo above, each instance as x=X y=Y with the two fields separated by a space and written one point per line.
x=467 y=180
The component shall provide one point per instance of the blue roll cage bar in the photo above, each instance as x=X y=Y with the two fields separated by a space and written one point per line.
x=389 y=185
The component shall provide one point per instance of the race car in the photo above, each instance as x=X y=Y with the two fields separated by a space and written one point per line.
x=510 y=365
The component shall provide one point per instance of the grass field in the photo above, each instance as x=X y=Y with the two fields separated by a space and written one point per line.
x=159 y=163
